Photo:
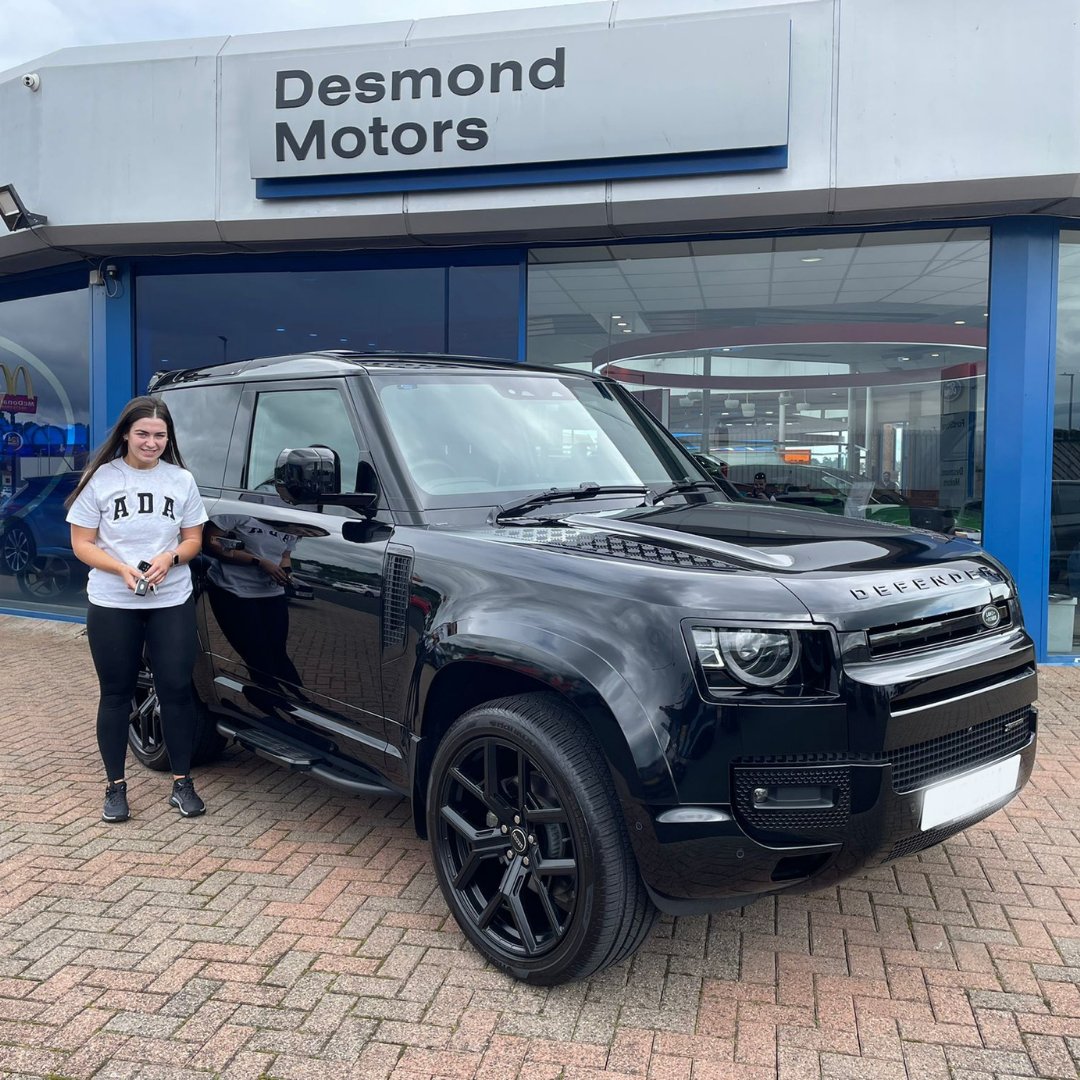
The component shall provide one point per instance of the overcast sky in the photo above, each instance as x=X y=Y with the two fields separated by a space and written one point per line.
x=32 y=28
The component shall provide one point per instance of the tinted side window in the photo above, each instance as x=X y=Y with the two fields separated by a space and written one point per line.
x=287 y=419
x=203 y=417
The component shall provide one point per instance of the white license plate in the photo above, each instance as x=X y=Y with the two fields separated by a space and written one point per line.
x=968 y=794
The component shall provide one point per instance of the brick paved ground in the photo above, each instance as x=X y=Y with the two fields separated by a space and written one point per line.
x=294 y=932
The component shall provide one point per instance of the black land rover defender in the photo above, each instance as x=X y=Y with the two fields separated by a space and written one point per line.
x=606 y=687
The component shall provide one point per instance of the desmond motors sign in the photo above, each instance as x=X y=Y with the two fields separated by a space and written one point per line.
x=668 y=88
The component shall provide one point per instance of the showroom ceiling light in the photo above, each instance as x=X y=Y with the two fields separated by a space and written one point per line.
x=15 y=215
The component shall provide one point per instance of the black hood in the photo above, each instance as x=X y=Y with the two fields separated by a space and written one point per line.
x=787 y=541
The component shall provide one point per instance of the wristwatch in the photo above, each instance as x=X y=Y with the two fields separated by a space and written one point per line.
x=176 y=558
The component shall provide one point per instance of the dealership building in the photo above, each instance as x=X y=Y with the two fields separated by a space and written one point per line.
x=835 y=243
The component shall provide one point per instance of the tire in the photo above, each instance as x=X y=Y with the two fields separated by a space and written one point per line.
x=526 y=917
x=144 y=728
x=18 y=548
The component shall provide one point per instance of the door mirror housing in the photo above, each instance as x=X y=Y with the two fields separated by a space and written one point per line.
x=311 y=475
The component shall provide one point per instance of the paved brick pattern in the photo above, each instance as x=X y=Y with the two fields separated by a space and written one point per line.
x=294 y=932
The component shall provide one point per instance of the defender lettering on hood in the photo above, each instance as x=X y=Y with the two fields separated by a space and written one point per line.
x=945 y=580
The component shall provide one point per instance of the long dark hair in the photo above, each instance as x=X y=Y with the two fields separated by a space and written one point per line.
x=115 y=446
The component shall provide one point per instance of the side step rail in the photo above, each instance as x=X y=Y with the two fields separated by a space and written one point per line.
x=282 y=750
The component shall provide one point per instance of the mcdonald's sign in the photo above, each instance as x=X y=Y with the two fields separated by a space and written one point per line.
x=12 y=401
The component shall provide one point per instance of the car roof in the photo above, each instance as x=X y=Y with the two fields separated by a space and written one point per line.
x=341 y=362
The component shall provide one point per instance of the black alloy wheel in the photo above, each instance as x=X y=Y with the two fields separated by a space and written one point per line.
x=529 y=844
x=144 y=725
x=17 y=548
x=145 y=735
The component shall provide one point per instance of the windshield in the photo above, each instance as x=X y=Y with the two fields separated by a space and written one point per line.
x=488 y=437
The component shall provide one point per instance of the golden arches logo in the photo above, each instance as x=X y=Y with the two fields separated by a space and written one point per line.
x=13 y=401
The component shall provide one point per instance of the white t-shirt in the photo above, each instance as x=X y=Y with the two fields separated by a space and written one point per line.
x=245 y=579
x=138 y=513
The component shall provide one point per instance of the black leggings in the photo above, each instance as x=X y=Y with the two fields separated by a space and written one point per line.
x=117 y=637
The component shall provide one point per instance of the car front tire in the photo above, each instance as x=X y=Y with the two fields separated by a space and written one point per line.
x=529 y=843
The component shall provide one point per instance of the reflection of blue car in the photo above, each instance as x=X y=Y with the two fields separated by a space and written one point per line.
x=35 y=540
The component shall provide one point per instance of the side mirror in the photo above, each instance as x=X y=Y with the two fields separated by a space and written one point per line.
x=312 y=475
x=307 y=474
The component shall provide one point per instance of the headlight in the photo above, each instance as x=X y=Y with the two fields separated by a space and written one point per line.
x=751 y=656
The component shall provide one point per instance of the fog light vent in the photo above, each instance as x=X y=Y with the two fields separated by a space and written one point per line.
x=793 y=800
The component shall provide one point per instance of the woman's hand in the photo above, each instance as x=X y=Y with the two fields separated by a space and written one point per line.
x=130 y=575
x=272 y=570
x=160 y=565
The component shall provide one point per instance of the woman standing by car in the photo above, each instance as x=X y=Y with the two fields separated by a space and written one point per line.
x=136 y=520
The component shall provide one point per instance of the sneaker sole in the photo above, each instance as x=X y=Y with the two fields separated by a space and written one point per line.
x=187 y=813
x=114 y=819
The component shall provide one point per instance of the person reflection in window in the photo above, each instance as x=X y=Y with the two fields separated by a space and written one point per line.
x=248 y=575
x=760 y=490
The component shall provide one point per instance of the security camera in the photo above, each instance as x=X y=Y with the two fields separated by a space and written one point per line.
x=31 y=80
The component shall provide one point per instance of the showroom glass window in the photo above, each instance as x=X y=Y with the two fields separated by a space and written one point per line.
x=196 y=319
x=849 y=369
x=1062 y=636
x=45 y=379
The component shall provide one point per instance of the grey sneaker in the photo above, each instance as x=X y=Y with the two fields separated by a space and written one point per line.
x=116 y=804
x=184 y=798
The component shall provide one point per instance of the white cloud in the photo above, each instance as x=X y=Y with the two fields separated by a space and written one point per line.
x=33 y=28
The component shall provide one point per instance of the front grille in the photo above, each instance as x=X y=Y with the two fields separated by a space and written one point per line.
x=918 y=765
x=924 y=763
x=935 y=630
x=923 y=840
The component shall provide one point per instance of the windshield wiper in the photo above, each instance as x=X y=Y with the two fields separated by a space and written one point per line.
x=522 y=507
x=684 y=486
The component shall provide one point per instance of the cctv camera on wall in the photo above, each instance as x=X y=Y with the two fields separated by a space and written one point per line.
x=31 y=80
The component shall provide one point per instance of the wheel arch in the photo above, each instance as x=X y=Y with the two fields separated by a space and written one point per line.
x=631 y=749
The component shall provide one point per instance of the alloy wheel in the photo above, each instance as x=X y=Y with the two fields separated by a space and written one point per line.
x=145 y=721
x=18 y=549
x=44 y=577
x=507 y=848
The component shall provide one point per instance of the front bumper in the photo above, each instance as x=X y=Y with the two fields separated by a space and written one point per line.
x=692 y=867
x=813 y=793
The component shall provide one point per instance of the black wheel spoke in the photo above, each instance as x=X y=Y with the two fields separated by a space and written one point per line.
x=548 y=815
x=483 y=920
x=476 y=792
x=481 y=844
x=521 y=921
x=560 y=867
x=491 y=769
x=522 y=782
x=549 y=908
x=490 y=799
